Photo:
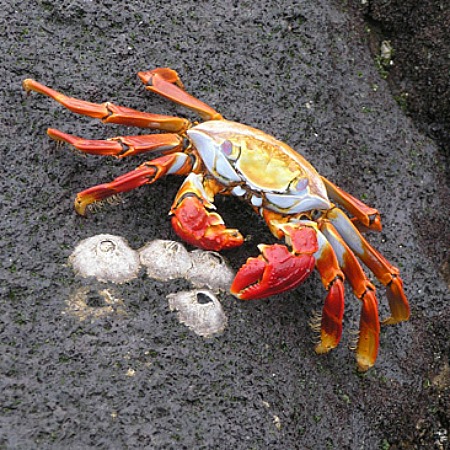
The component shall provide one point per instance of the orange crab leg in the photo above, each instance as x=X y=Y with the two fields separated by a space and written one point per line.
x=121 y=146
x=364 y=290
x=147 y=173
x=367 y=216
x=167 y=83
x=109 y=113
x=333 y=280
x=377 y=263
x=193 y=222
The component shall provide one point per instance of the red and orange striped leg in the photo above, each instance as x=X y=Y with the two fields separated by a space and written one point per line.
x=121 y=146
x=167 y=83
x=333 y=309
x=147 y=173
x=366 y=216
x=194 y=223
x=377 y=263
x=364 y=290
x=110 y=113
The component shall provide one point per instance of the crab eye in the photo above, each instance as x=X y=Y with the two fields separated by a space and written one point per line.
x=316 y=214
x=298 y=184
x=229 y=150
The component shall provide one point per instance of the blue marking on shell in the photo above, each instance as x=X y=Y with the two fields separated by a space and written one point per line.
x=294 y=204
x=256 y=201
x=225 y=170
x=348 y=232
x=301 y=185
x=211 y=154
x=238 y=191
x=204 y=145
x=181 y=159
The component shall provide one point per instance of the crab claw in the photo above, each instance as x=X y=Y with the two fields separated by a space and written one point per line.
x=274 y=271
x=202 y=228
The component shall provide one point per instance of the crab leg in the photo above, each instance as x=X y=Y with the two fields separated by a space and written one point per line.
x=381 y=268
x=147 y=173
x=121 y=146
x=333 y=280
x=365 y=215
x=110 y=113
x=193 y=222
x=167 y=83
x=364 y=290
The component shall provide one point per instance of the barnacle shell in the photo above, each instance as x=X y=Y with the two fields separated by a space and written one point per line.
x=105 y=257
x=209 y=269
x=165 y=260
x=199 y=310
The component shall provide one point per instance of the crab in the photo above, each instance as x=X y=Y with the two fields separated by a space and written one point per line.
x=299 y=206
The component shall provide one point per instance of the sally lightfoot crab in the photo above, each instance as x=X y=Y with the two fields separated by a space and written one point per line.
x=298 y=205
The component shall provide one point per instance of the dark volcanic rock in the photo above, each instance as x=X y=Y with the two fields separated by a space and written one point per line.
x=420 y=75
x=137 y=378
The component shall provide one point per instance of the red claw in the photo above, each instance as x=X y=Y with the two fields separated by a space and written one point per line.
x=274 y=271
x=201 y=228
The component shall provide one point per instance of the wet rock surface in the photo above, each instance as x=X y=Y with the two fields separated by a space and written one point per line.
x=301 y=71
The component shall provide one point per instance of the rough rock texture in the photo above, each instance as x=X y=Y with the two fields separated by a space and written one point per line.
x=420 y=74
x=137 y=378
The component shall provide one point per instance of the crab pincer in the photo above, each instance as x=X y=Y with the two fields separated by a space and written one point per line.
x=276 y=270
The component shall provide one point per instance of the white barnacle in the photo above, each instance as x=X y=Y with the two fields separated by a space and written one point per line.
x=199 y=310
x=165 y=260
x=105 y=257
x=209 y=269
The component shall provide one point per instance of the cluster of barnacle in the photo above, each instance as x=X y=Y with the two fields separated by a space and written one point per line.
x=109 y=258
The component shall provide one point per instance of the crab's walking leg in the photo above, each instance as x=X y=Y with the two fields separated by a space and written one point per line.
x=381 y=268
x=167 y=83
x=365 y=215
x=333 y=309
x=110 y=113
x=121 y=146
x=194 y=223
x=147 y=173
x=364 y=290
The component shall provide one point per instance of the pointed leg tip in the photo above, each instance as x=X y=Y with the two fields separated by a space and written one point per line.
x=25 y=83
x=322 y=348
x=57 y=135
x=364 y=363
x=393 y=320
x=145 y=77
x=328 y=342
x=398 y=302
x=80 y=207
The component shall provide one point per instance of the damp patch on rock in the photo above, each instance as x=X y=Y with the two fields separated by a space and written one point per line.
x=105 y=257
x=199 y=310
x=86 y=303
